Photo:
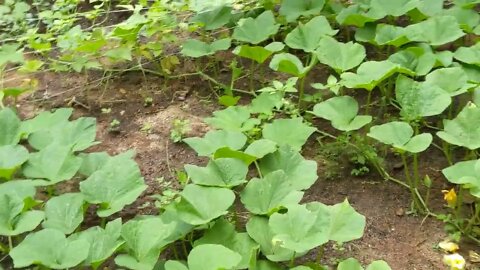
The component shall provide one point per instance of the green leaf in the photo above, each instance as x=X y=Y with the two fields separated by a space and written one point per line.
x=266 y=102
x=288 y=63
x=469 y=55
x=103 y=242
x=10 y=124
x=307 y=36
x=223 y=233
x=421 y=60
x=46 y=120
x=11 y=158
x=120 y=53
x=116 y=184
x=400 y=136
x=9 y=53
x=144 y=240
x=23 y=189
x=54 y=163
x=292 y=132
x=64 y=212
x=464 y=130
x=357 y=15
x=196 y=48
x=453 y=80
x=468 y=19
x=269 y=194
x=13 y=219
x=50 y=248
x=393 y=8
x=340 y=56
x=92 y=162
x=292 y=9
x=258 y=229
x=350 y=264
x=257 y=53
x=214 y=18
x=256 y=30
x=386 y=34
x=216 y=139
x=301 y=173
x=370 y=74
x=234 y=154
x=466 y=173
x=235 y=118
x=222 y=172
x=175 y=265
x=200 y=205
x=261 y=148
x=436 y=31
x=213 y=257
x=378 y=265
x=342 y=112
x=419 y=100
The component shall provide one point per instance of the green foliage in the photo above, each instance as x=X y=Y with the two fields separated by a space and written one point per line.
x=464 y=130
x=307 y=37
x=292 y=9
x=64 y=213
x=256 y=30
x=400 y=135
x=222 y=172
x=340 y=56
x=11 y=158
x=195 y=48
x=291 y=132
x=465 y=173
x=342 y=112
x=216 y=139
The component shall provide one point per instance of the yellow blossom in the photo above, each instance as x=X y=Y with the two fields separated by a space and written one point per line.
x=455 y=261
x=450 y=196
x=448 y=246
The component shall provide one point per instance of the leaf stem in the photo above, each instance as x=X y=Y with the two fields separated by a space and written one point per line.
x=292 y=260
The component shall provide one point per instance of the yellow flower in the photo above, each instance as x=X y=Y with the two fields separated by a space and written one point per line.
x=448 y=246
x=450 y=196
x=455 y=261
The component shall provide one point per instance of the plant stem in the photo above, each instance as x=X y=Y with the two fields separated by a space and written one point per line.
x=320 y=252
x=369 y=100
x=409 y=181
x=472 y=220
x=301 y=92
x=10 y=243
x=292 y=260
x=185 y=251
x=258 y=169
x=252 y=70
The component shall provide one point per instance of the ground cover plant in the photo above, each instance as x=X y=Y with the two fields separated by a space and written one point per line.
x=401 y=80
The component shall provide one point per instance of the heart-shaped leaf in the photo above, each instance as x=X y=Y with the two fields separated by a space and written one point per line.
x=196 y=48
x=266 y=102
x=214 y=18
x=386 y=34
x=213 y=257
x=257 y=53
x=200 y=205
x=64 y=212
x=420 y=60
x=340 y=56
x=256 y=30
x=288 y=63
x=292 y=132
x=400 y=136
x=469 y=55
x=350 y=264
x=11 y=158
x=453 y=80
x=292 y=9
x=46 y=120
x=269 y=194
x=117 y=184
x=307 y=36
x=393 y=8
x=234 y=118
x=468 y=19
x=379 y=265
x=466 y=173
x=50 y=248
x=13 y=219
x=261 y=148
x=436 y=31
x=10 y=124
x=419 y=100
x=216 y=139
x=222 y=172
x=301 y=173
x=358 y=15
x=464 y=130
x=342 y=112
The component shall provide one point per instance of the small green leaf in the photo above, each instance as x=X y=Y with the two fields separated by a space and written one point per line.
x=234 y=154
x=307 y=37
x=288 y=63
x=212 y=257
x=120 y=53
x=11 y=158
x=350 y=264
x=195 y=48
x=466 y=173
x=400 y=136
x=261 y=148
x=340 y=56
x=235 y=118
x=214 y=18
x=292 y=132
x=292 y=9
x=13 y=219
x=256 y=30
x=266 y=102
x=10 y=124
x=342 y=112
x=469 y=55
x=64 y=212
x=222 y=172
x=50 y=248
x=464 y=130
x=378 y=265
x=9 y=53
x=216 y=139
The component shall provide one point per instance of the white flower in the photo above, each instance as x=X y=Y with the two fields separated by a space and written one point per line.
x=455 y=261
x=448 y=246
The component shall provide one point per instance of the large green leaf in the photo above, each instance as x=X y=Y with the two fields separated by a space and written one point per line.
x=103 y=242
x=266 y=102
x=261 y=148
x=92 y=162
x=46 y=120
x=54 y=163
x=400 y=136
x=214 y=18
x=340 y=56
x=256 y=30
x=466 y=173
x=13 y=219
x=117 y=184
x=50 y=248
x=258 y=53
x=144 y=240
x=11 y=158
x=10 y=124
x=196 y=48
x=269 y=194
x=223 y=233
x=292 y=132
x=22 y=189
x=222 y=172
x=292 y=9
x=393 y=8
x=216 y=139
x=419 y=100
x=469 y=55
x=370 y=74
x=468 y=19
x=464 y=130
x=234 y=118
x=307 y=36
x=386 y=34
x=436 y=31
x=342 y=112
x=357 y=15
x=258 y=229
x=64 y=212
x=287 y=63
x=200 y=205
x=453 y=80
x=420 y=60
x=301 y=173
x=213 y=257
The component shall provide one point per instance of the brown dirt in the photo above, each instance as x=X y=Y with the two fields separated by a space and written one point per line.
x=404 y=241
